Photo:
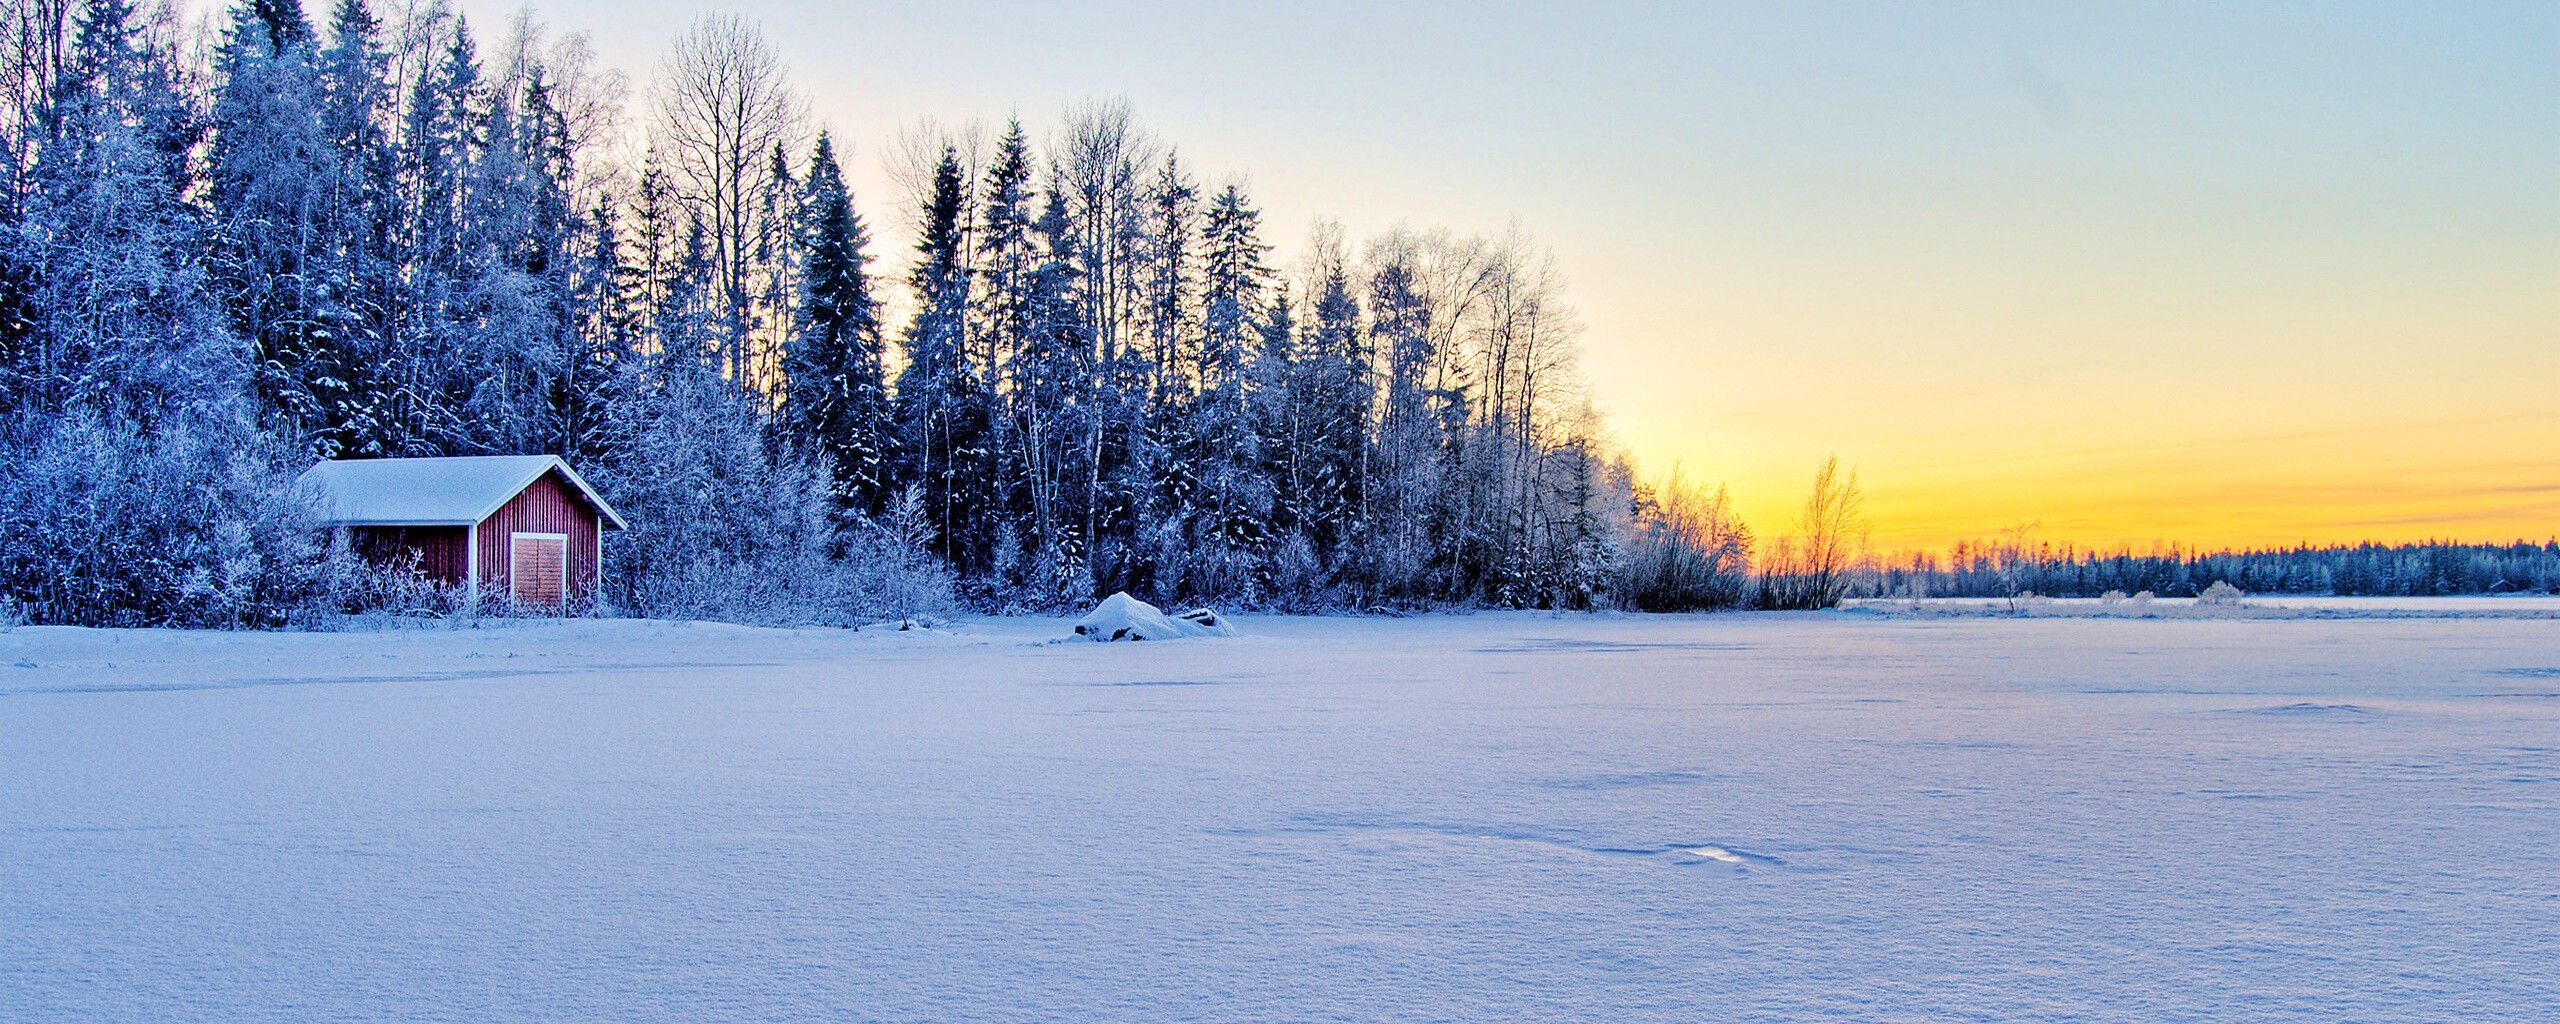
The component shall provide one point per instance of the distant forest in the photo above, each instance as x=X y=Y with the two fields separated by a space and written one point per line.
x=2008 y=567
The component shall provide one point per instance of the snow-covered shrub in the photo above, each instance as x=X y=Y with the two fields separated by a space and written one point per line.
x=190 y=523
x=1827 y=556
x=1689 y=552
x=1297 y=574
x=727 y=526
x=2220 y=594
x=894 y=575
x=2140 y=602
x=374 y=595
x=2111 y=598
x=12 y=613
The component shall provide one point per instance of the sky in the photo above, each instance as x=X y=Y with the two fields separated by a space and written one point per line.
x=2218 y=274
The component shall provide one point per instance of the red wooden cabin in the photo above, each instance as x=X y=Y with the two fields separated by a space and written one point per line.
x=525 y=527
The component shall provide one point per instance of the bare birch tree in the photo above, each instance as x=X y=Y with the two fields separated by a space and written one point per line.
x=1814 y=568
x=724 y=104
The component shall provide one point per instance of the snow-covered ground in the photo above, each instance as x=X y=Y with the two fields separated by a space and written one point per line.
x=1479 y=818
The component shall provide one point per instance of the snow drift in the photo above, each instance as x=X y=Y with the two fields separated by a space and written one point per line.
x=1121 y=617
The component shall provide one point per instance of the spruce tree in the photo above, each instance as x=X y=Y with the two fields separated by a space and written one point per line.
x=436 y=378
x=357 y=219
x=269 y=171
x=940 y=400
x=1054 y=418
x=530 y=300
x=1005 y=255
x=280 y=21
x=1000 y=324
x=777 y=252
x=589 y=396
x=1229 y=504
x=126 y=326
x=1331 y=389
x=836 y=399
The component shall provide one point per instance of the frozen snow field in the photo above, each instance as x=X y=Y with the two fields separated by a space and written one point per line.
x=1464 y=818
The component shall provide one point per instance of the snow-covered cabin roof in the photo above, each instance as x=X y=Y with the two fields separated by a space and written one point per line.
x=458 y=491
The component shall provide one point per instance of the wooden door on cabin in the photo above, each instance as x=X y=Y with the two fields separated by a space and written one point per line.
x=537 y=569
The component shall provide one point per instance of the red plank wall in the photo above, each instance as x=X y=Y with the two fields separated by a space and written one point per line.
x=439 y=548
x=549 y=506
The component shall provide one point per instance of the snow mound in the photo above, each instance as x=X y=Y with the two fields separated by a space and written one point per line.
x=1121 y=617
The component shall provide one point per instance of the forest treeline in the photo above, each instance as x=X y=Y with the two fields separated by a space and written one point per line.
x=229 y=250
x=2017 y=564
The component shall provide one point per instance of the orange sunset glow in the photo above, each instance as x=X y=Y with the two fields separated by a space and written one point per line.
x=2217 y=277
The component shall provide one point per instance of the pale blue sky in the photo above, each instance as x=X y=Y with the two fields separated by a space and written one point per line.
x=2119 y=268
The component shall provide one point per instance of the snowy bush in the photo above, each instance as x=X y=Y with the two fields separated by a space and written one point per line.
x=187 y=524
x=2111 y=598
x=725 y=525
x=1824 y=560
x=2220 y=594
x=1297 y=575
x=1690 y=552
x=371 y=595
x=894 y=574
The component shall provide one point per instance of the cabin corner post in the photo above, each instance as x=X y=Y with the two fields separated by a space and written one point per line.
x=471 y=566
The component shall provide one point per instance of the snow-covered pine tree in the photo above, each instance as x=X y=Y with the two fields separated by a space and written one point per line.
x=683 y=318
x=1098 y=173
x=1229 y=504
x=836 y=398
x=589 y=398
x=1331 y=389
x=275 y=266
x=1000 y=309
x=1169 y=282
x=1053 y=418
x=357 y=215
x=999 y=324
x=656 y=234
x=125 y=326
x=1293 y=568
x=941 y=401
x=283 y=22
x=440 y=141
x=1146 y=486
x=500 y=323
x=543 y=283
